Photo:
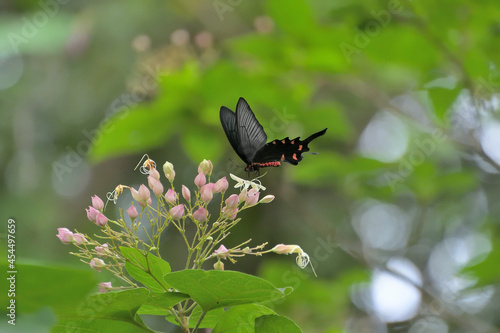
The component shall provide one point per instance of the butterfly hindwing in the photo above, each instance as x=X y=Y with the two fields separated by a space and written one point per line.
x=285 y=150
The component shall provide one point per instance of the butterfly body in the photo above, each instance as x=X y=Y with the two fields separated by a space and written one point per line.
x=248 y=139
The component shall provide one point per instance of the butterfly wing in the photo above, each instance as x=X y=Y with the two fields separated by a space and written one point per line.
x=251 y=134
x=228 y=121
x=285 y=150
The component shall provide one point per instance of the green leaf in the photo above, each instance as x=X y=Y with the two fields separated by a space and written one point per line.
x=134 y=256
x=275 y=324
x=158 y=268
x=214 y=289
x=148 y=271
x=107 y=312
x=241 y=318
x=161 y=303
x=209 y=321
x=39 y=286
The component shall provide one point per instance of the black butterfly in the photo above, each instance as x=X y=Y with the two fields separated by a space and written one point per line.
x=248 y=139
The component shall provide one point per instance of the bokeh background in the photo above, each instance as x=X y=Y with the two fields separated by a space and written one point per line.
x=399 y=210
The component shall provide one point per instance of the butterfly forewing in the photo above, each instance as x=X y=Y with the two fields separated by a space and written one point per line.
x=228 y=121
x=251 y=134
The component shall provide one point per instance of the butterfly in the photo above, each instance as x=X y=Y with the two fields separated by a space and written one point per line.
x=248 y=139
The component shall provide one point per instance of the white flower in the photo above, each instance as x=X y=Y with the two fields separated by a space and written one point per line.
x=147 y=166
x=245 y=184
x=302 y=258
x=113 y=196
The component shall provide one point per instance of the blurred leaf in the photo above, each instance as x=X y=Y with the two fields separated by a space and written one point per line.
x=442 y=99
x=107 y=312
x=214 y=289
x=201 y=143
x=38 y=286
x=161 y=303
x=241 y=318
x=294 y=17
x=486 y=271
x=138 y=127
x=29 y=35
x=314 y=299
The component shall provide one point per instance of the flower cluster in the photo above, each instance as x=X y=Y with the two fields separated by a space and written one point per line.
x=170 y=208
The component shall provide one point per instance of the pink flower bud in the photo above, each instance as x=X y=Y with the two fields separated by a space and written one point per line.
x=177 y=212
x=229 y=213
x=232 y=201
x=267 y=199
x=206 y=167
x=142 y=195
x=97 y=264
x=155 y=174
x=201 y=214
x=252 y=197
x=200 y=180
x=97 y=203
x=222 y=252
x=79 y=239
x=168 y=170
x=157 y=188
x=219 y=265
x=145 y=204
x=171 y=196
x=151 y=180
x=104 y=287
x=232 y=213
x=100 y=219
x=284 y=249
x=132 y=212
x=91 y=213
x=221 y=185
x=243 y=195
x=64 y=235
x=186 y=193
x=102 y=251
x=207 y=192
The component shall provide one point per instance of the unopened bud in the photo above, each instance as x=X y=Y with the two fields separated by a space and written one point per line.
x=64 y=235
x=200 y=180
x=207 y=192
x=171 y=196
x=132 y=212
x=97 y=203
x=219 y=266
x=104 y=287
x=267 y=199
x=206 y=167
x=168 y=170
x=186 y=193
x=221 y=185
x=200 y=215
x=101 y=220
x=177 y=212
x=97 y=264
